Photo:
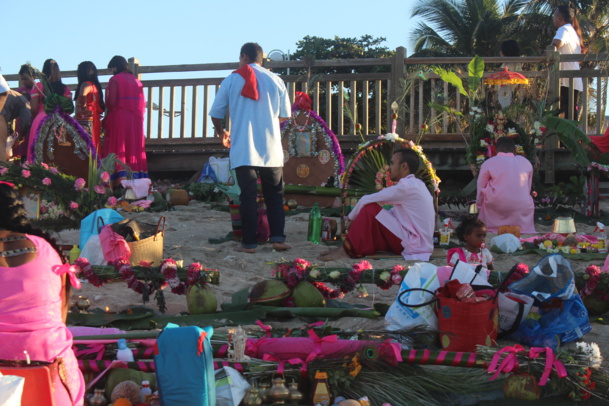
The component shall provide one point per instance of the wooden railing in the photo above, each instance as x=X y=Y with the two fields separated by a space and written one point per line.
x=178 y=107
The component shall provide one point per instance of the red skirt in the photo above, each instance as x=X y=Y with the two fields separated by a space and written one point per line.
x=368 y=236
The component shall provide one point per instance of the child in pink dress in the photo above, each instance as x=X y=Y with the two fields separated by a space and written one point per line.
x=471 y=232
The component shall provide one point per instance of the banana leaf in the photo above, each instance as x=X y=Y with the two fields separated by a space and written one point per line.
x=452 y=78
x=570 y=135
x=475 y=70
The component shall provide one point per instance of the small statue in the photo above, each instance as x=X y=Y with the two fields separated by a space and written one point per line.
x=237 y=352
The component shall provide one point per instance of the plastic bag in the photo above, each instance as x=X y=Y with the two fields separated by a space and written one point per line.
x=221 y=169
x=11 y=389
x=561 y=316
x=423 y=279
x=513 y=308
x=507 y=243
x=91 y=226
x=464 y=273
x=93 y=251
x=230 y=387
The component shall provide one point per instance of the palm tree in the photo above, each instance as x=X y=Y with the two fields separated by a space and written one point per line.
x=464 y=27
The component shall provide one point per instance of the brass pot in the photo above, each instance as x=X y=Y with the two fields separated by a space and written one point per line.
x=82 y=303
x=264 y=391
x=278 y=393
x=296 y=396
x=252 y=397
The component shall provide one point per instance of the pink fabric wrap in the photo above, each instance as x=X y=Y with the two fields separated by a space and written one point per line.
x=31 y=316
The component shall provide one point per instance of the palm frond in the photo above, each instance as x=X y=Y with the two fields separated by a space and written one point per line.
x=570 y=135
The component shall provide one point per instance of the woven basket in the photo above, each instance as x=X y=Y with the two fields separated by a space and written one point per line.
x=177 y=197
x=149 y=249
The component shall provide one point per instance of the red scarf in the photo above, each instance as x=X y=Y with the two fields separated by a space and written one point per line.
x=250 y=88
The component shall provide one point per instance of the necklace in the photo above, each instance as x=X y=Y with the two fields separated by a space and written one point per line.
x=17 y=238
x=303 y=127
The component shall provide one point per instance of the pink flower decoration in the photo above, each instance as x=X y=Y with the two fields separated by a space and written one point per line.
x=145 y=264
x=53 y=170
x=104 y=177
x=45 y=166
x=112 y=201
x=46 y=181
x=25 y=173
x=3 y=171
x=99 y=189
x=73 y=206
x=79 y=184
x=396 y=279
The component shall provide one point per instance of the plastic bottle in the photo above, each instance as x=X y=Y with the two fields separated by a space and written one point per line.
x=445 y=233
x=325 y=230
x=145 y=392
x=74 y=254
x=314 y=233
x=601 y=237
x=124 y=353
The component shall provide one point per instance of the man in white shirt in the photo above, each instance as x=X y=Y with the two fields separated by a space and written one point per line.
x=406 y=229
x=257 y=101
x=567 y=42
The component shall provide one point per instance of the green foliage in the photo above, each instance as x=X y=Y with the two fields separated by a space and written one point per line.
x=366 y=46
x=205 y=192
x=570 y=135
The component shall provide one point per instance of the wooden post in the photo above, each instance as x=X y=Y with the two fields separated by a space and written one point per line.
x=551 y=144
x=134 y=65
x=398 y=69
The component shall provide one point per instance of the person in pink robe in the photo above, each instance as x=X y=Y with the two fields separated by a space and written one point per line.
x=124 y=122
x=34 y=294
x=406 y=229
x=504 y=190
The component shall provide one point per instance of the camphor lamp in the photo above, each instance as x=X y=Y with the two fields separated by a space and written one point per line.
x=564 y=226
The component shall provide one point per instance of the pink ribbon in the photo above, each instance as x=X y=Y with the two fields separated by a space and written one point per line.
x=291 y=361
x=71 y=270
x=391 y=352
x=317 y=324
x=551 y=363
x=318 y=342
x=264 y=327
x=509 y=363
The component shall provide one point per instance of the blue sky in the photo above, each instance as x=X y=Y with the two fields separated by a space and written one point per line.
x=184 y=31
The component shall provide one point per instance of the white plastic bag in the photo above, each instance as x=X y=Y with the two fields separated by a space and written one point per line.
x=221 y=168
x=230 y=387
x=93 y=251
x=11 y=389
x=421 y=275
x=507 y=243
x=513 y=308
x=466 y=273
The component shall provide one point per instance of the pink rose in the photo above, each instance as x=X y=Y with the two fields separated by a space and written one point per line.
x=73 y=206
x=99 y=189
x=3 y=171
x=396 y=279
x=79 y=184
x=145 y=264
x=45 y=166
x=104 y=177
x=112 y=201
x=46 y=181
x=25 y=173
x=53 y=170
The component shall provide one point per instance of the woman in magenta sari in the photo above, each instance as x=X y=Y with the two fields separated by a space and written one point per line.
x=124 y=121
x=50 y=69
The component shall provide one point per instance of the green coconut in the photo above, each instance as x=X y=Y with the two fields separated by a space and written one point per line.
x=307 y=295
x=269 y=292
x=200 y=300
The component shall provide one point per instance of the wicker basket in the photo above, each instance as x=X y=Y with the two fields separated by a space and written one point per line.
x=149 y=249
x=177 y=197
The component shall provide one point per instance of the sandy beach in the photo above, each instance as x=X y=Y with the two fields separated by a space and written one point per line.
x=189 y=228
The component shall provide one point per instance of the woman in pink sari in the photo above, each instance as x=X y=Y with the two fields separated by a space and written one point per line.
x=35 y=284
x=124 y=121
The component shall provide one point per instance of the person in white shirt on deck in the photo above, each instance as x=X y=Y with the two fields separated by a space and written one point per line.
x=568 y=40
